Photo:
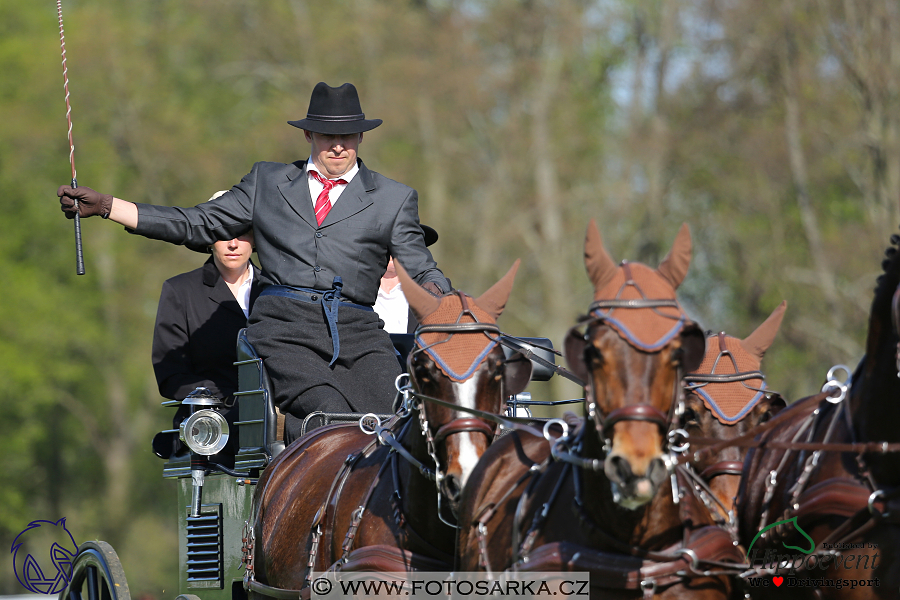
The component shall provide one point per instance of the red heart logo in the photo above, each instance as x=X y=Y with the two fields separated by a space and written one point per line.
x=778 y=581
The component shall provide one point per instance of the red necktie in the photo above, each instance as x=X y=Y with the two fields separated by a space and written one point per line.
x=323 y=205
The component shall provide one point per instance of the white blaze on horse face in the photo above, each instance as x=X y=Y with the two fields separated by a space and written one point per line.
x=467 y=392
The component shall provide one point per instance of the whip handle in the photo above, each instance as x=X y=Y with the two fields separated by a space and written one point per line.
x=79 y=253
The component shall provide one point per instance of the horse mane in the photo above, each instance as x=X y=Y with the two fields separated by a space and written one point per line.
x=875 y=382
x=887 y=282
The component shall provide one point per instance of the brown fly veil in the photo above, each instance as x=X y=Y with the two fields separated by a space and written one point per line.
x=456 y=355
x=729 y=380
x=637 y=301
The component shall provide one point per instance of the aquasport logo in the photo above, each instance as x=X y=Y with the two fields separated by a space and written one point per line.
x=42 y=556
x=839 y=558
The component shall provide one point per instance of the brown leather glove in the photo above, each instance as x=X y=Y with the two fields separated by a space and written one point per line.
x=90 y=203
x=432 y=288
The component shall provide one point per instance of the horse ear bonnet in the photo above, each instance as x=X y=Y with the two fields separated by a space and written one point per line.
x=641 y=327
x=759 y=341
x=457 y=355
x=731 y=401
x=421 y=302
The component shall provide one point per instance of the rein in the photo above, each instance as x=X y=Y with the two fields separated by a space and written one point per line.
x=748 y=440
x=527 y=352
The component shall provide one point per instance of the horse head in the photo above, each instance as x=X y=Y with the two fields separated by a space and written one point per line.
x=636 y=345
x=458 y=359
x=727 y=397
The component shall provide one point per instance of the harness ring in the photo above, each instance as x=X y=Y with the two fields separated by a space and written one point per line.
x=561 y=423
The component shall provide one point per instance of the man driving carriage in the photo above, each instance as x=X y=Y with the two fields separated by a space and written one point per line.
x=324 y=229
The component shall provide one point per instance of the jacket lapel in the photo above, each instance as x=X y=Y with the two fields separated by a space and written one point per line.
x=296 y=192
x=254 y=286
x=217 y=289
x=353 y=199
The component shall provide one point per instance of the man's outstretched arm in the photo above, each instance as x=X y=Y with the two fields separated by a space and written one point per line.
x=92 y=203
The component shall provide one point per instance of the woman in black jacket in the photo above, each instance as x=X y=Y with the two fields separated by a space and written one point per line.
x=199 y=316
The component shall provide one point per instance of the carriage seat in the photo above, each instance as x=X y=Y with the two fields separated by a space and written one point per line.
x=261 y=424
x=259 y=435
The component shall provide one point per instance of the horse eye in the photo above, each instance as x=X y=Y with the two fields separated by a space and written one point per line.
x=498 y=370
x=421 y=369
x=593 y=355
x=690 y=417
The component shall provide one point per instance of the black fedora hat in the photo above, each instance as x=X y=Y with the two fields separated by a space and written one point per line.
x=335 y=111
x=431 y=236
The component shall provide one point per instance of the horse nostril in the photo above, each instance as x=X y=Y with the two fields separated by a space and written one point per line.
x=452 y=488
x=618 y=469
x=656 y=472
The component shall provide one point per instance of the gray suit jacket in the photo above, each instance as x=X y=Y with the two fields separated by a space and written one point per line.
x=374 y=218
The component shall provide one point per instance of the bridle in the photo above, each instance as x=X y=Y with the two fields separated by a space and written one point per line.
x=695 y=382
x=463 y=424
x=413 y=401
x=600 y=312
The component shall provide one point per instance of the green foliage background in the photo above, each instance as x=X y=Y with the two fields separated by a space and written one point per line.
x=770 y=126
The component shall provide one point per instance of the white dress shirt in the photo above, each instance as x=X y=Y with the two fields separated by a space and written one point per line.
x=243 y=293
x=315 y=188
x=393 y=309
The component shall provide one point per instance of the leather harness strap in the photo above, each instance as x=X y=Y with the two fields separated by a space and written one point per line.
x=725 y=467
x=402 y=522
x=636 y=412
x=748 y=440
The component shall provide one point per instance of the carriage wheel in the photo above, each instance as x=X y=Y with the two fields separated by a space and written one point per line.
x=96 y=575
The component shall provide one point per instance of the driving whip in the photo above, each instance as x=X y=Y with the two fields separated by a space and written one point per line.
x=79 y=256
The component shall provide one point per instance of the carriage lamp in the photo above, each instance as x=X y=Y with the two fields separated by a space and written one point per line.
x=205 y=432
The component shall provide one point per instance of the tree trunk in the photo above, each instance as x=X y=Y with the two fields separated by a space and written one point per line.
x=797 y=160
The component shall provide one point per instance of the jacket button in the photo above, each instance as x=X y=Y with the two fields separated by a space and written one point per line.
x=313 y=297
x=318 y=234
x=318 y=268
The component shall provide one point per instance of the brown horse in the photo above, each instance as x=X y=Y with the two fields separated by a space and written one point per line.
x=726 y=397
x=819 y=499
x=630 y=529
x=342 y=498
